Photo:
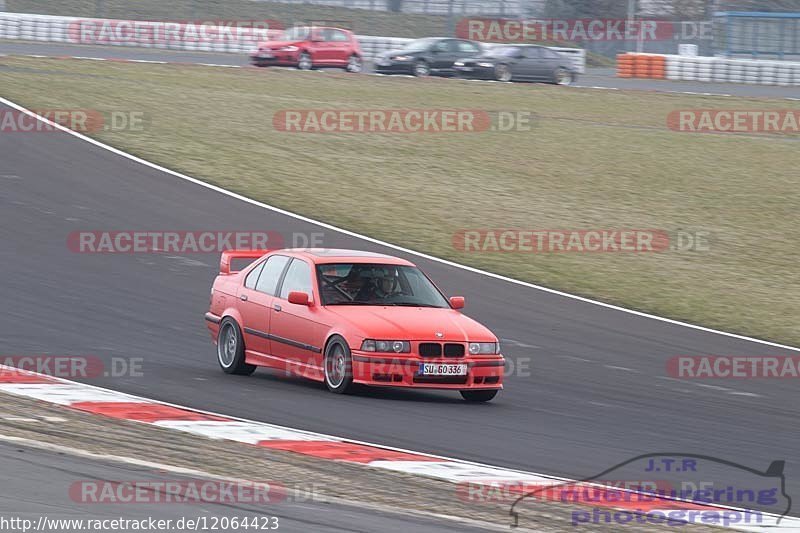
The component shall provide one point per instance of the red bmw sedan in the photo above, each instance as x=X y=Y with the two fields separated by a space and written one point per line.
x=345 y=317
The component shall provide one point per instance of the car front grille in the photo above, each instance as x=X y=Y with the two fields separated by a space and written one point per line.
x=436 y=349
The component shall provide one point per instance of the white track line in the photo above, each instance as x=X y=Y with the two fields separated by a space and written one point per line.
x=384 y=243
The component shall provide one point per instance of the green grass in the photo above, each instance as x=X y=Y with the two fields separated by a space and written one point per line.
x=595 y=159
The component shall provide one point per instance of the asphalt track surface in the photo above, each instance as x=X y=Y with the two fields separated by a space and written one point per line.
x=42 y=482
x=595 y=77
x=597 y=394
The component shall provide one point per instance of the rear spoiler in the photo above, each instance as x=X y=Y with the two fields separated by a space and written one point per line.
x=230 y=255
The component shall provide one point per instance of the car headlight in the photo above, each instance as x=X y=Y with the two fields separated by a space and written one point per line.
x=288 y=49
x=459 y=63
x=372 y=345
x=402 y=58
x=486 y=64
x=484 y=348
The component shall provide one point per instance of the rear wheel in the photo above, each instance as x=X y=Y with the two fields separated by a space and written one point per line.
x=354 y=64
x=304 y=61
x=338 y=366
x=502 y=73
x=230 y=349
x=421 y=69
x=478 y=395
x=562 y=76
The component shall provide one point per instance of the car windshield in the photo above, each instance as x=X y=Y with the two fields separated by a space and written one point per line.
x=298 y=33
x=419 y=44
x=377 y=284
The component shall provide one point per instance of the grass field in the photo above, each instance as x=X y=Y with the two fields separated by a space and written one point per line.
x=594 y=159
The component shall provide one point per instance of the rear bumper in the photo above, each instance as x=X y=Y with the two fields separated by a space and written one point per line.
x=387 y=371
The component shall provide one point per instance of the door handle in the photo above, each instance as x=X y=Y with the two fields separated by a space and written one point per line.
x=243 y=297
x=277 y=307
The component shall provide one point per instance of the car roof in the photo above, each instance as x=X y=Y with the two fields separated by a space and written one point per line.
x=339 y=255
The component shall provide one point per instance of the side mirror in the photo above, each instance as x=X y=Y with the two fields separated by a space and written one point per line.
x=457 y=302
x=299 y=298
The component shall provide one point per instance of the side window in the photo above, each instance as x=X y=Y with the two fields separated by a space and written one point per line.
x=252 y=277
x=550 y=54
x=298 y=278
x=466 y=47
x=532 y=52
x=271 y=273
x=337 y=36
x=442 y=46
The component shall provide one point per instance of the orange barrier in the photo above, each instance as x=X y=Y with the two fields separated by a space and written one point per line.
x=625 y=65
x=630 y=65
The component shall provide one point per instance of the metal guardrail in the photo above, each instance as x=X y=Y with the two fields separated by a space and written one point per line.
x=716 y=69
x=49 y=28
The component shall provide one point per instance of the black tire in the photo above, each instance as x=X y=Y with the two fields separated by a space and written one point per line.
x=304 y=61
x=562 y=76
x=502 y=73
x=338 y=366
x=421 y=69
x=354 y=64
x=230 y=349
x=478 y=395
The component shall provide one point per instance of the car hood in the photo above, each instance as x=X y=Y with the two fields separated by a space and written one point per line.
x=412 y=323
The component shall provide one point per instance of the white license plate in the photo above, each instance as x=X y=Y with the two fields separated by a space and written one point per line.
x=265 y=56
x=434 y=369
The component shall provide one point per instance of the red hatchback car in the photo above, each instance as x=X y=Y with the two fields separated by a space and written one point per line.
x=306 y=47
x=344 y=317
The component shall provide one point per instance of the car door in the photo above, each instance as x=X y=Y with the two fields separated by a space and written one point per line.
x=340 y=46
x=443 y=55
x=551 y=61
x=297 y=334
x=529 y=64
x=465 y=49
x=255 y=304
x=322 y=48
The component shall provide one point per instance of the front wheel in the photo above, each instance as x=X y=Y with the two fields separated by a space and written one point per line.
x=304 y=61
x=338 y=365
x=354 y=64
x=230 y=349
x=478 y=395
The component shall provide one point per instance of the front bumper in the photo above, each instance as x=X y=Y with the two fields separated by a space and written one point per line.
x=394 y=67
x=483 y=372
